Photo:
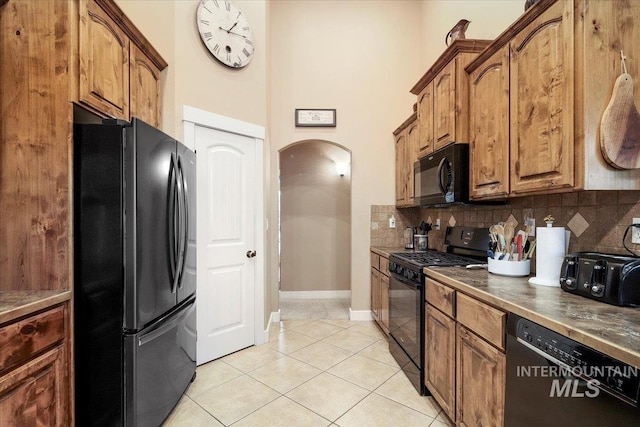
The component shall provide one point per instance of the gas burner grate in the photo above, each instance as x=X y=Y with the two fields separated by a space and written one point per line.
x=434 y=258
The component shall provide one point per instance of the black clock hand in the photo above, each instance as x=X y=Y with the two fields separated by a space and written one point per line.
x=233 y=26
x=236 y=34
x=229 y=30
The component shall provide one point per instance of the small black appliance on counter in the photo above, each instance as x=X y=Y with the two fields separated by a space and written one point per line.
x=614 y=279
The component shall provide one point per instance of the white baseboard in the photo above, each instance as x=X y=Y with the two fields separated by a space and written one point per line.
x=273 y=318
x=289 y=295
x=360 y=315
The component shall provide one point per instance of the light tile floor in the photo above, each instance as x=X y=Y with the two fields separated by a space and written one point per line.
x=331 y=372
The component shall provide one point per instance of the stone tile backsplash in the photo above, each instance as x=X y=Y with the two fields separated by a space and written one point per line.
x=597 y=219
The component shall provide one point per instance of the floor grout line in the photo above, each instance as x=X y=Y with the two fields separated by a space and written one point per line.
x=296 y=326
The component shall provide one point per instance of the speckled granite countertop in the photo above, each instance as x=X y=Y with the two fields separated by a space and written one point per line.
x=386 y=250
x=15 y=304
x=612 y=330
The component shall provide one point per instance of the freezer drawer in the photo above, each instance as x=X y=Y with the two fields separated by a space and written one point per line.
x=160 y=362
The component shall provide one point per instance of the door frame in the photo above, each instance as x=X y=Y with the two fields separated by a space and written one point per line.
x=192 y=117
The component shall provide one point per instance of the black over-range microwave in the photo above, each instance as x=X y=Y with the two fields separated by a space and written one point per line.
x=443 y=176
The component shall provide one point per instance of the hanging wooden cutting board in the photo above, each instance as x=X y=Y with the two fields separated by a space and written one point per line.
x=620 y=127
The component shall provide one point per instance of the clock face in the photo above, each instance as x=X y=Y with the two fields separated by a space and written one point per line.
x=225 y=31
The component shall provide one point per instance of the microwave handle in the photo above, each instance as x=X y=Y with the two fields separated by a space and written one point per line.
x=444 y=163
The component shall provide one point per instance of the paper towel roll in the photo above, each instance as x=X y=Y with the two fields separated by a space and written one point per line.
x=550 y=251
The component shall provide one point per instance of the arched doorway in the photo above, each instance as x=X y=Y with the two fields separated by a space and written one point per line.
x=315 y=230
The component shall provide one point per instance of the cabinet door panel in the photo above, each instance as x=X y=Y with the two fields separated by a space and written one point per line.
x=489 y=127
x=104 y=62
x=425 y=121
x=444 y=103
x=401 y=151
x=384 y=301
x=375 y=294
x=480 y=381
x=541 y=66
x=440 y=356
x=145 y=87
x=32 y=395
x=412 y=157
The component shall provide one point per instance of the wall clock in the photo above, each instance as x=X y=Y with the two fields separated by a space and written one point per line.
x=225 y=32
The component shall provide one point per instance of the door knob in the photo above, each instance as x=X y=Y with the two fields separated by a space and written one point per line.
x=251 y=254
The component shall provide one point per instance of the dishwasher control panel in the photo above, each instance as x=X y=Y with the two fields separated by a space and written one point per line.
x=577 y=360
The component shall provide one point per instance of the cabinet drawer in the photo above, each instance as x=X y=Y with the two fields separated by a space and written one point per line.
x=375 y=261
x=384 y=265
x=29 y=336
x=440 y=296
x=486 y=321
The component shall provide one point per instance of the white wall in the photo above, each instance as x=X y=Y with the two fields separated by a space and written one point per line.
x=358 y=56
x=489 y=18
x=195 y=78
x=361 y=58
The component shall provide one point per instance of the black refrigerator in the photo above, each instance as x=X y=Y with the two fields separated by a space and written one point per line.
x=135 y=273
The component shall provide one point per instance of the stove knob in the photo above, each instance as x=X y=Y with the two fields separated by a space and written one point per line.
x=597 y=290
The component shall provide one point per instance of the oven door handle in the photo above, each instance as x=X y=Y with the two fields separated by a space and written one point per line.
x=406 y=281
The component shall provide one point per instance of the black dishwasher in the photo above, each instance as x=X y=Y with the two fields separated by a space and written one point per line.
x=554 y=380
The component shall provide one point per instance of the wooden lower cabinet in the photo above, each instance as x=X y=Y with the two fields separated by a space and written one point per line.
x=375 y=294
x=465 y=367
x=30 y=395
x=440 y=358
x=380 y=290
x=480 y=378
x=384 y=301
x=34 y=379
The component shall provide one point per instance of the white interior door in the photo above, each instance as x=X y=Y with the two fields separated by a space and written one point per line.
x=226 y=171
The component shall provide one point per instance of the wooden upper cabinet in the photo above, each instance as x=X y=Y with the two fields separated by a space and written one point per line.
x=563 y=61
x=443 y=97
x=412 y=156
x=444 y=112
x=119 y=70
x=406 y=137
x=104 y=62
x=541 y=66
x=489 y=127
x=145 y=87
x=425 y=121
x=401 y=154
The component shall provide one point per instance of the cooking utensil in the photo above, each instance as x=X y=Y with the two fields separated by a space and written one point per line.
x=530 y=251
x=509 y=229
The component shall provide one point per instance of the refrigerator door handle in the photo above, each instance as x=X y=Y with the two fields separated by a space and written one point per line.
x=181 y=235
x=185 y=223
x=174 y=217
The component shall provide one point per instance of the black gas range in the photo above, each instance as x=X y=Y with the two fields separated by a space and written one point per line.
x=465 y=246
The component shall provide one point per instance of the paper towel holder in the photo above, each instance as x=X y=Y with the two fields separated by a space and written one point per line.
x=548 y=281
